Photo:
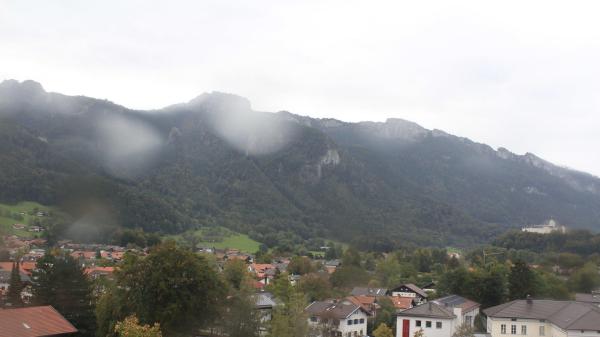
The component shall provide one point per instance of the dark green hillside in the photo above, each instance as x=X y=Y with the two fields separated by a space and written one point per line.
x=280 y=178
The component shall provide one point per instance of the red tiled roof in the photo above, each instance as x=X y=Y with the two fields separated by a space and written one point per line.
x=401 y=302
x=8 y=266
x=33 y=322
x=364 y=300
x=88 y=255
x=99 y=269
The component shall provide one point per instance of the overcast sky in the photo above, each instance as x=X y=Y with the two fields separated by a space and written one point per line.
x=520 y=74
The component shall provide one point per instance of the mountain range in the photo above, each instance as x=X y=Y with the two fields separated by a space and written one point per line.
x=280 y=177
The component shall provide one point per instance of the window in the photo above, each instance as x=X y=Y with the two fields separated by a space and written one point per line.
x=438 y=325
x=469 y=320
x=542 y=330
x=362 y=320
x=523 y=329
x=356 y=321
x=513 y=329
x=313 y=319
x=418 y=323
x=361 y=333
x=349 y=322
x=503 y=329
x=428 y=324
x=349 y=334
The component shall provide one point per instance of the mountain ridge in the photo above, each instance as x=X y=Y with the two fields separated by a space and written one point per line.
x=280 y=177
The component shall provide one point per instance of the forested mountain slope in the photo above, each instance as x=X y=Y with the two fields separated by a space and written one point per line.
x=280 y=177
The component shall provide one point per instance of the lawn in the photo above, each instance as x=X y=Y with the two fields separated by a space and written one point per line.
x=25 y=207
x=230 y=239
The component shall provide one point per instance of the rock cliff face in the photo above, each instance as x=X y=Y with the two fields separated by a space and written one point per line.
x=280 y=176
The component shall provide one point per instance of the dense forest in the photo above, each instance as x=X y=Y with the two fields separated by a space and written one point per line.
x=278 y=177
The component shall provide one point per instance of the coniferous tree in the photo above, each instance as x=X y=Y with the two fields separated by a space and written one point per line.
x=60 y=282
x=15 y=287
x=521 y=281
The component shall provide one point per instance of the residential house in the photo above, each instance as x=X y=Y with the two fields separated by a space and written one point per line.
x=34 y=322
x=429 y=287
x=264 y=272
x=331 y=265
x=402 y=303
x=465 y=309
x=410 y=290
x=366 y=291
x=98 y=272
x=434 y=319
x=367 y=303
x=265 y=303
x=437 y=318
x=593 y=298
x=337 y=318
x=543 y=318
x=83 y=255
x=5 y=280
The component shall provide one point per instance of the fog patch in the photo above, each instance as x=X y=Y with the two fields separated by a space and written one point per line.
x=251 y=132
x=129 y=147
x=94 y=221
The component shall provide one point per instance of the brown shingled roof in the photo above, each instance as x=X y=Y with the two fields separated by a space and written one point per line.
x=34 y=322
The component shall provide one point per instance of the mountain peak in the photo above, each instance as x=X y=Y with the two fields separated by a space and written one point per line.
x=27 y=86
x=221 y=100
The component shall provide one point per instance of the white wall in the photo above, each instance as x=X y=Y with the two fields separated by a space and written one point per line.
x=344 y=328
x=448 y=326
x=494 y=327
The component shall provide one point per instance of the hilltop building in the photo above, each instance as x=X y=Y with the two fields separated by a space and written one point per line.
x=548 y=227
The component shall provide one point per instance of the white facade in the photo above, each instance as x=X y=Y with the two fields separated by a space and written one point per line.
x=469 y=317
x=432 y=327
x=355 y=325
x=547 y=228
x=504 y=327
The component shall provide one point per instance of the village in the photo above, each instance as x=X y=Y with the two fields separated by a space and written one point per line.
x=417 y=309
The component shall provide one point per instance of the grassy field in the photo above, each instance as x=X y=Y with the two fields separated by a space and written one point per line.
x=22 y=207
x=229 y=240
x=454 y=250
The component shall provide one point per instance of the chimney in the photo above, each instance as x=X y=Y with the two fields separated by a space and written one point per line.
x=529 y=300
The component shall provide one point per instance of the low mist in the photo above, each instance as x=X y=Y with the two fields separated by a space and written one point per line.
x=128 y=146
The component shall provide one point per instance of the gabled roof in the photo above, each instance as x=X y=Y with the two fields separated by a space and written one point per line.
x=332 y=310
x=264 y=300
x=567 y=315
x=33 y=322
x=367 y=303
x=412 y=287
x=365 y=291
x=430 y=310
x=455 y=301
